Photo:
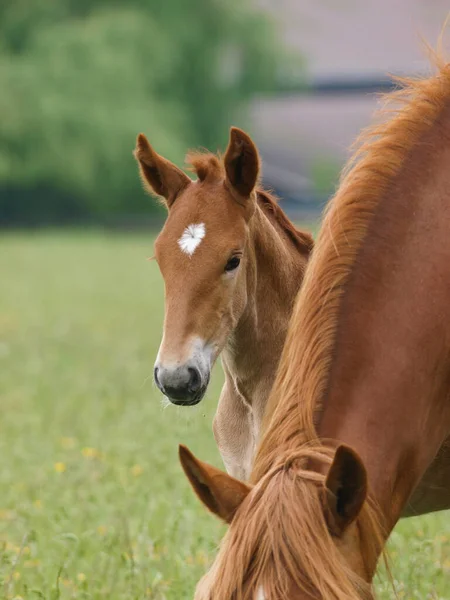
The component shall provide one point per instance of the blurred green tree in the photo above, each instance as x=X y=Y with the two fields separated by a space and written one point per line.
x=80 y=78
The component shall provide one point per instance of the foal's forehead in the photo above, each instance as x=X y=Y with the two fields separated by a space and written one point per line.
x=208 y=198
x=204 y=209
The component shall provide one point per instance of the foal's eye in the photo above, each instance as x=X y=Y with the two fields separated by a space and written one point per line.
x=232 y=264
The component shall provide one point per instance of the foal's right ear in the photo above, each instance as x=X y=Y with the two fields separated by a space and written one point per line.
x=242 y=162
x=158 y=174
x=219 y=492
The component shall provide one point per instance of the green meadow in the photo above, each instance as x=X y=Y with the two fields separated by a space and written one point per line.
x=93 y=502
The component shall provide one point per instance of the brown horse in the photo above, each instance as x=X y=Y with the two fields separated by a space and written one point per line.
x=232 y=264
x=360 y=407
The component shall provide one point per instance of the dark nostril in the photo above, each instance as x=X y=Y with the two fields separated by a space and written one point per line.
x=155 y=376
x=195 y=379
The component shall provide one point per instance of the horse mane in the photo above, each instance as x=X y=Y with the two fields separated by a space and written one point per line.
x=279 y=532
x=381 y=152
x=302 y=241
x=208 y=167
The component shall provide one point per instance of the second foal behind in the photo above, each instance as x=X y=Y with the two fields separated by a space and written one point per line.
x=232 y=265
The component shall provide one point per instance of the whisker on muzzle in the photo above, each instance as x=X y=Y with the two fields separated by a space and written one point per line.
x=146 y=379
x=165 y=403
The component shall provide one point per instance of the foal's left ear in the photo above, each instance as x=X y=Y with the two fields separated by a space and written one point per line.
x=346 y=489
x=219 y=492
x=242 y=162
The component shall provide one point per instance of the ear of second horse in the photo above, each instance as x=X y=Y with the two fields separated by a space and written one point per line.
x=346 y=489
x=219 y=492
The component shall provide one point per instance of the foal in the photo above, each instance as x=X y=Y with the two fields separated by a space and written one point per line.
x=366 y=365
x=232 y=265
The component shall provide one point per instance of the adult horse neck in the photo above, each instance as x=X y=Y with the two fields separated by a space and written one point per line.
x=365 y=369
x=232 y=265
x=390 y=371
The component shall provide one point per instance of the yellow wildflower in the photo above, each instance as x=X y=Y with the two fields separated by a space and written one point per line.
x=136 y=470
x=90 y=452
x=81 y=577
x=60 y=467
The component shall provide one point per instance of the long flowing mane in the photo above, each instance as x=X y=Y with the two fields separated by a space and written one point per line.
x=279 y=531
x=382 y=151
x=207 y=165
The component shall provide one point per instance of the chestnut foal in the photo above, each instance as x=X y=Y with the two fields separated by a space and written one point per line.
x=232 y=265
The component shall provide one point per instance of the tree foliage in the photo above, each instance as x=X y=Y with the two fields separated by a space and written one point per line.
x=80 y=78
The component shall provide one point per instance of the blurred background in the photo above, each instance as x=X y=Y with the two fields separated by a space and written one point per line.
x=93 y=503
x=80 y=78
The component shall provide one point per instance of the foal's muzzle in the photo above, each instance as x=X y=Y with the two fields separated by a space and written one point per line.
x=183 y=385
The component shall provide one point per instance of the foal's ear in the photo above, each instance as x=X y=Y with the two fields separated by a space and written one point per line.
x=158 y=174
x=242 y=162
x=219 y=492
x=346 y=489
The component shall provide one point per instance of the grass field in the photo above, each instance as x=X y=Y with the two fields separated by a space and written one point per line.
x=93 y=503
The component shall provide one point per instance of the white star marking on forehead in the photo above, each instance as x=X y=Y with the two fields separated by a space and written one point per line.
x=191 y=238
x=260 y=594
